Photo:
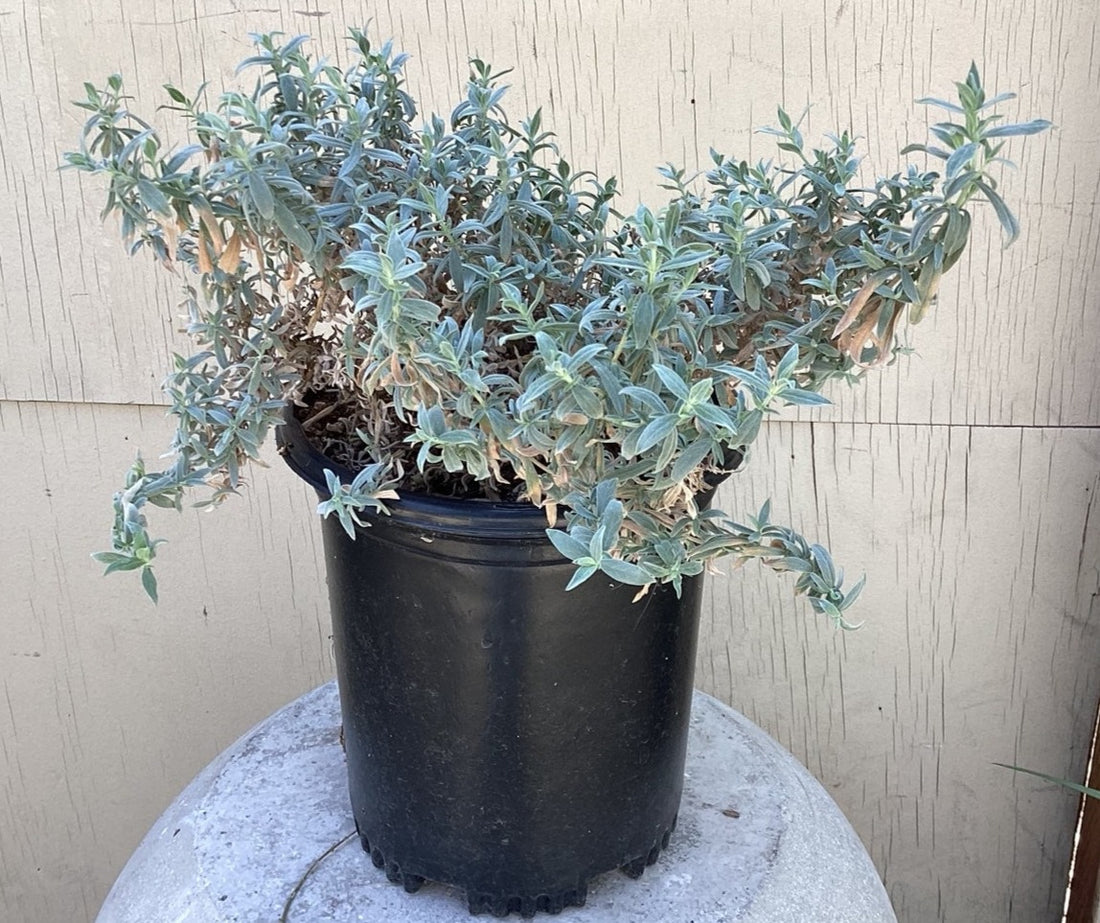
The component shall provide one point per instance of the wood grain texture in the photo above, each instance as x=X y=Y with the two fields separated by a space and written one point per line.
x=627 y=86
x=982 y=645
x=961 y=480
x=108 y=704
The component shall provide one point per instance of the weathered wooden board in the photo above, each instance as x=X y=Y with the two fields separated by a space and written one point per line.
x=978 y=533
x=981 y=644
x=628 y=86
x=109 y=704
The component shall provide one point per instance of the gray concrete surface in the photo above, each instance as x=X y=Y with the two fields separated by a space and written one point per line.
x=759 y=841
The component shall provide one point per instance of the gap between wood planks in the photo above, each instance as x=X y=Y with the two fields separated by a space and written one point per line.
x=929 y=423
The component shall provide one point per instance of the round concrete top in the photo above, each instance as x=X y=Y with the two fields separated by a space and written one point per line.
x=265 y=834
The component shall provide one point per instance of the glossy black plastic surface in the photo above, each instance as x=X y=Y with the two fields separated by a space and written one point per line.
x=502 y=734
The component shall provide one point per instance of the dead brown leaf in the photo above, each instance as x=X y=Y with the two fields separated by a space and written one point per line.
x=206 y=216
x=231 y=256
x=202 y=254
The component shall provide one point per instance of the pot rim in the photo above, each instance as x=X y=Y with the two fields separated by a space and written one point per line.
x=471 y=517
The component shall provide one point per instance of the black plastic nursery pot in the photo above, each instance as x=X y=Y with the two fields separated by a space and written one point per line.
x=502 y=735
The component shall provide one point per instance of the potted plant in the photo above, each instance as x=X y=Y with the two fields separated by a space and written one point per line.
x=515 y=404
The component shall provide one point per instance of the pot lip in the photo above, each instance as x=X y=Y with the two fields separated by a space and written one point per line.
x=473 y=517
x=467 y=518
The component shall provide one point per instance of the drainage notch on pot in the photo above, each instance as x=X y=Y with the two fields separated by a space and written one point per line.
x=502 y=735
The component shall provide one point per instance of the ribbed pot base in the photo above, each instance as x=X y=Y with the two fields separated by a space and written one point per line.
x=499 y=904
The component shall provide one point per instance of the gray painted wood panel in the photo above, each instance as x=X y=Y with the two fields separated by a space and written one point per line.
x=981 y=645
x=627 y=86
x=109 y=704
x=962 y=480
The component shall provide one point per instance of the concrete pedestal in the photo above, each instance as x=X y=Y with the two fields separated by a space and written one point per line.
x=264 y=834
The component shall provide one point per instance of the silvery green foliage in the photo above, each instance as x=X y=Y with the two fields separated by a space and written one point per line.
x=453 y=308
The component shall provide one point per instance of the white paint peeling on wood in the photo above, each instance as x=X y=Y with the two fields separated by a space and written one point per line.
x=979 y=539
